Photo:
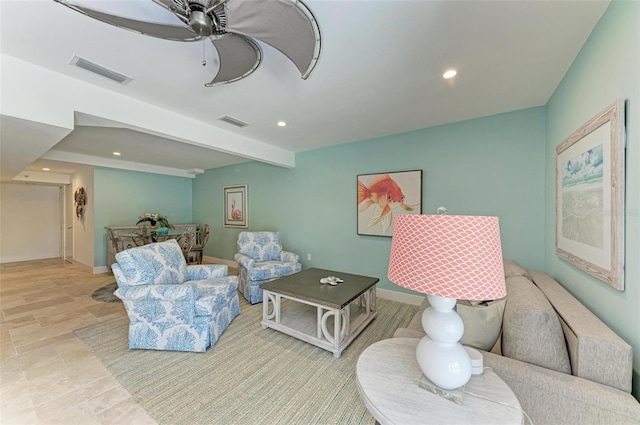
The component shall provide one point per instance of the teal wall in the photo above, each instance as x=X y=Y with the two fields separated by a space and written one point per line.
x=486 y=166
x=607 y=68
x=122 y=196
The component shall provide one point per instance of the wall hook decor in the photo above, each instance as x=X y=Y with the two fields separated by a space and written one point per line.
x=80 y=198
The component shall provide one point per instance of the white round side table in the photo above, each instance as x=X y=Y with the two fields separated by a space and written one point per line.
x=388 y=374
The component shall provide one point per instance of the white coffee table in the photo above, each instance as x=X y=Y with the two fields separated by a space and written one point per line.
x=329 y=317
x=388 y=374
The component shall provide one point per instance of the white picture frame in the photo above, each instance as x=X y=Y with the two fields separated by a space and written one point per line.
x=590 y=205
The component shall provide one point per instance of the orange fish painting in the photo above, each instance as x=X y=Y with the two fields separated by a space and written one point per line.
x=386 y=195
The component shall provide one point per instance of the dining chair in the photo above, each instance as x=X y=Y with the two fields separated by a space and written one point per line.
x=116 y=242
x=187 y=240
x=197 y=251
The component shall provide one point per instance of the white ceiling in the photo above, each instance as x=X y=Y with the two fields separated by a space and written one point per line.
x=380 y=73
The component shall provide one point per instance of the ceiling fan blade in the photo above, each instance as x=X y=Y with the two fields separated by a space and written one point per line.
x=164 y=31
x=172 y=7
x=239 y=56
x=167 y=4
x=287 y=25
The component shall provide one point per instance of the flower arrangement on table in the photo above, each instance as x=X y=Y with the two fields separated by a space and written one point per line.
x=154 y=219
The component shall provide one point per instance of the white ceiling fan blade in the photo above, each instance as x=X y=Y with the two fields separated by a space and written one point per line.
x=173 y=8
x=239 y=56
x=164 y=31
x=167 y=4
x=287 y=25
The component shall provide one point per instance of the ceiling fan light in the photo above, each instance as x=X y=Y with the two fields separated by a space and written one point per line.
x=282 y=124
x=200 y=23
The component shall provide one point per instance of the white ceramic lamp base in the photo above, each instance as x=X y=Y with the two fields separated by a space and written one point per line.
x=443 y=360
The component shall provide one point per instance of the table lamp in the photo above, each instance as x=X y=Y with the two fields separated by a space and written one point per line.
x=447 y=257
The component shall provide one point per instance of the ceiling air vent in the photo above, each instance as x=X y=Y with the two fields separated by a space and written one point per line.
x=100 y=70
x=233 y=121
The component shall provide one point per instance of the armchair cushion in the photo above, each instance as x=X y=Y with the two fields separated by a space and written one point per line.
x=153 y=264
x=271 y=270
x=206 y=271
x=213 y=295
x=289 y=257
x=261 y=246
x=168 y=304
x=243 y=260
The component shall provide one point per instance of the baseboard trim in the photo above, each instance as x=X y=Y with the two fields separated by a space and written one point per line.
x=89 y=269
x=21 y=258
x=216 y=260
x=399 y=296
x=101 y=270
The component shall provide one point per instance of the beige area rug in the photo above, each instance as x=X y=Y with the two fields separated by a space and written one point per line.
x=251 y=376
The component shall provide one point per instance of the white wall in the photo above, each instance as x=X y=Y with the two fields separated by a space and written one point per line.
x=46 y=97
x=30 y=222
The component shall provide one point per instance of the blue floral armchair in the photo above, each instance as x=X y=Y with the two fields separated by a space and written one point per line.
x=172 y=306
x=261 y=259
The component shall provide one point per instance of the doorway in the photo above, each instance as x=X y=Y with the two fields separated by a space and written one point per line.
x=67 y=223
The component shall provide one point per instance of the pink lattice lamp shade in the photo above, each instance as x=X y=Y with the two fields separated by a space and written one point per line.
x=451 y=256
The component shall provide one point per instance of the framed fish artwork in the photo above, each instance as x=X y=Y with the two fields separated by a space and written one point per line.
x=384 y=195
x=235 y=206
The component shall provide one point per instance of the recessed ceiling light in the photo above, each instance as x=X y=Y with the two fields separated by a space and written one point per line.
x=282 y=124
x=117 y=153
x=450 y=74
x=46 y=169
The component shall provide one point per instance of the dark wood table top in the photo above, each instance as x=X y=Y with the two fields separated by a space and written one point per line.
x=306 y=285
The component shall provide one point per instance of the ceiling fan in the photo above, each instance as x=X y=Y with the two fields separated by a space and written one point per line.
x=232 y=26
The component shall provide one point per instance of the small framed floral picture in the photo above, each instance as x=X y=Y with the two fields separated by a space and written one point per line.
x=235 y=206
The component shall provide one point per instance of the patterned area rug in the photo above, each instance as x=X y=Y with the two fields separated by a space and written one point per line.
x=105 y=294
x=251 y=376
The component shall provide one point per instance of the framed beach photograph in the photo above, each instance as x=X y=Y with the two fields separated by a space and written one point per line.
x=590 y=208
x=382 y=196
x=235 y=206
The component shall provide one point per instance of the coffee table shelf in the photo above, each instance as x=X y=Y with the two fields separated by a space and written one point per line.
x=327 y=317
x=302 y=317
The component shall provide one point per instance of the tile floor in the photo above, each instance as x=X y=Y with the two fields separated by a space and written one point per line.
x=47 y=375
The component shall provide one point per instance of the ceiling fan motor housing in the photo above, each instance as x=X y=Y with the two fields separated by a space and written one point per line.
x=200 y=23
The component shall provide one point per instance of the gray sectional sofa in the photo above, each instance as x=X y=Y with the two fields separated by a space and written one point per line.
x=564 y=365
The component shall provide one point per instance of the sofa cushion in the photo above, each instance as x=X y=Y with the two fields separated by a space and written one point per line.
x=531 y=331
x=513 y=269
x=482 y=323
x=153 y=264
x=589 y=340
